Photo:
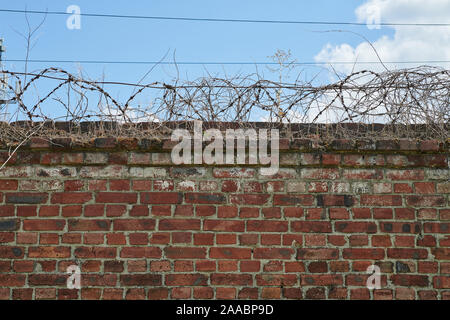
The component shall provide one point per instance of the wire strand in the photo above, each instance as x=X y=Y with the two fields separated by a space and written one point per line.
x=101 y=15
x=219 y=63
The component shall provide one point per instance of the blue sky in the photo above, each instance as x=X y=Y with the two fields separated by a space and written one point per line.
x=149 y=40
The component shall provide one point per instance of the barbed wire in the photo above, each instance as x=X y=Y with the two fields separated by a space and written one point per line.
x=402 y=98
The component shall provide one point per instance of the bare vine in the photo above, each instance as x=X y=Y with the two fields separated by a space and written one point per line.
x=404 y=97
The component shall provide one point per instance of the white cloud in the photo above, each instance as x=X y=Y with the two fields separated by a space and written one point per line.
x=409 y=43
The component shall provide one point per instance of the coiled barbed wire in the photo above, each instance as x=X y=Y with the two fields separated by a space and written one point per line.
x=405 y=97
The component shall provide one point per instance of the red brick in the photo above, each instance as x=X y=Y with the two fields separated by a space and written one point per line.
x=290 y=200
x=95 y=252
x=43 y=225
x=183 y=210
x=311 y=226
x=231 y=279
x=8 y=185
x=203 y=293
x=26 y=198
x=416 y=174
x=322 y=280
x=225 y=293
x=356 y=227
x=230 y=186
x=140 y=252
x=229 y=253
x=116 y=197
x=226 y=238
x=248 y=212
x=49 y=252
x=89 y=225
x=179 y=224
x=249 y=199
x=140 y=280
x=227 y=212
x=315 y=293
x=72 y=211
x=115 y=210
x=134 y=224
x=318 y=254
x=404 y=253
x=184 y=253
x=94 y=210
x=406 y=280
x=71 y=197
x=339 y=213
x=119 y=185
x=425 y=201
x=161 y=197
x=224 y=225
x=372 y=254
x=158 y=293
x=73 y=185
x=425 y=187
x=185 y=279
x=267 y=226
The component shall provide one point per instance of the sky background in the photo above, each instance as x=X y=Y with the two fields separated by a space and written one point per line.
x=150 y=40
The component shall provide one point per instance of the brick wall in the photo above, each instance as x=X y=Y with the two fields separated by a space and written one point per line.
x=141 y=228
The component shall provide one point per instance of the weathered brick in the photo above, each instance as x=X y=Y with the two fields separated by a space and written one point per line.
x=26 y=198
x=184 y=253
x=131 y=280
x=229 y=253
x=179 y=224
x=133 y=224
x=141 y=228
x=317 y=254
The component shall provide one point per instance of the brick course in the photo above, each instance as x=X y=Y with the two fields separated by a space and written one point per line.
x=141 y=228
